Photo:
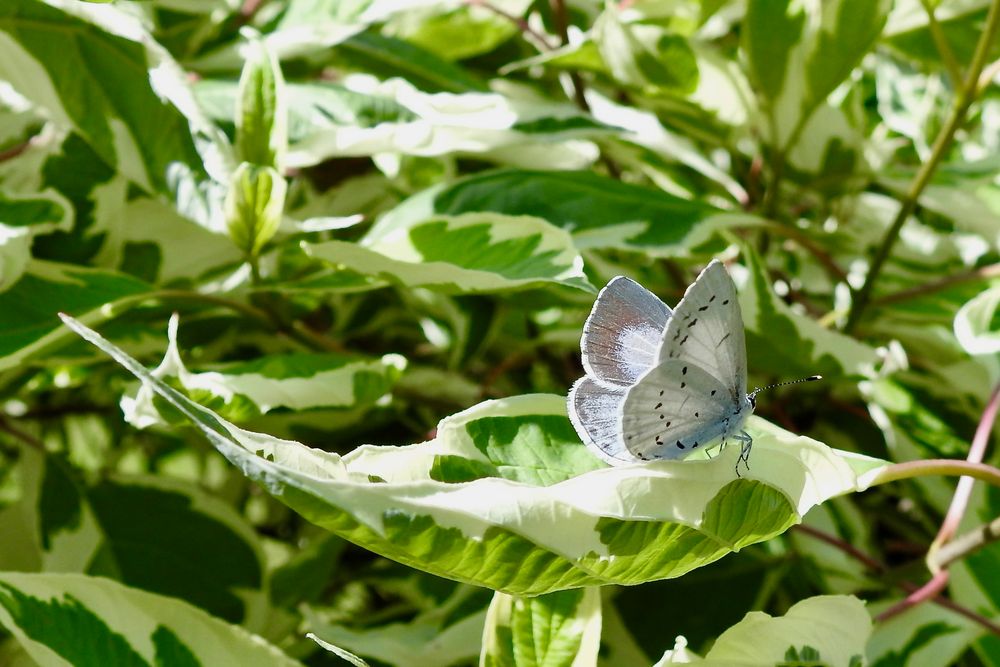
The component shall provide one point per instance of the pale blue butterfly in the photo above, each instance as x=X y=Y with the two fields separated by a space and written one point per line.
x=662 y=384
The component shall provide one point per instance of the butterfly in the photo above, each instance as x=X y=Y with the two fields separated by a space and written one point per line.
x=662 y=383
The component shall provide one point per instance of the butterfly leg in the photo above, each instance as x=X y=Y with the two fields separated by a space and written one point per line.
x=746 y=443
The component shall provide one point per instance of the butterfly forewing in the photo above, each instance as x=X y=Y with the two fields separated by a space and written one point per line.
x=674 y=410
x=595 y=411
x=622 y=335
x=706 y=330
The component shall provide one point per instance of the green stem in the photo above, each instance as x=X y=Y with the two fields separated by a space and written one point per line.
x=965 y=98
x=941 y=44
x=935 y=467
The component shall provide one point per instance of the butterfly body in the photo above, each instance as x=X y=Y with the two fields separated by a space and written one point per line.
x=662 y=383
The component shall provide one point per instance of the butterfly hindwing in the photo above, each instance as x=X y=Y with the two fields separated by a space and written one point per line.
x=595 y=411
x=675 y=409
x=706 y=329
x=622 y=335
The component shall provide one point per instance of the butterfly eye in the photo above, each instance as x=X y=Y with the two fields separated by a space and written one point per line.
x=753 y=402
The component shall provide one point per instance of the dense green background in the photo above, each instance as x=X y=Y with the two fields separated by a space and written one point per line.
x=358 y=240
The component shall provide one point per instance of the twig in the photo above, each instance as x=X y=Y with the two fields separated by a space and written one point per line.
x=928 y=467
x=963 y=491
x=942 y=142
x=843 y=545
x=541 y=41
x=941 y=44
x=956 y=510
x=14 y=151
x=982 y=273
x=966 y=544
x=807 y=243
x=929 y=591
x=878 y=568
x=26 y=438
x=959 y=502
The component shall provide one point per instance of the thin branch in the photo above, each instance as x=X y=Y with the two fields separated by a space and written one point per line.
x=561 y=19
x=982 y=273
x=14 y=151
x=960 y=501
x=7 y=427
x=929 y=591
x=967 y=95
x=878 y=568
x=966 y=544
x=956 y=510
x=929 y=467
x=816 y=250
x=295 y=330
x=843 y=545
x=942 y=45
x=541 y=41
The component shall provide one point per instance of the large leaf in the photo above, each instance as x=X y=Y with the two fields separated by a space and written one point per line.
x=475 y=252
x=69 y=619
x=599 y=212
x=561 y=629
x=29 y=308
x=298 y=382
x=476 y=503
x=363 y=116
x=798 y=53
x=824 y=630
x=63 y=55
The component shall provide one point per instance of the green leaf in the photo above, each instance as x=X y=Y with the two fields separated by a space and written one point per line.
x=71 y=619
x=645 y=56
x=561 y=629
x=476 y=252
x=447 y=634
x=254 y=204
x=387 y=56
x=387 y=499
x=599 y=212
x=155 y=532
x=455 y=33
x=827 y=629
x=771 y=30
x=798 y=53
x=62 y=57
x=361 y=116
x=30 y=324
x=961 y=24
x=781 y=338
x=262 y=114
x=298 y=382
x=928 y=634
x=977 y=323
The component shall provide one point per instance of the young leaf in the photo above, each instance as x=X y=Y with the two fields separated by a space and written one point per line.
x=262 y=114
x=976 y=323
x=254 y=205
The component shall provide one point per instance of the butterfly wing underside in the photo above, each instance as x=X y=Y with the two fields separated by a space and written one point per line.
x=675 y=409
x=621 y=337
x=595 y=411
x=706 y=330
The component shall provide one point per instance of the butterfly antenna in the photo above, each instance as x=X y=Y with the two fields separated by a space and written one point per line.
x=811 y=378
